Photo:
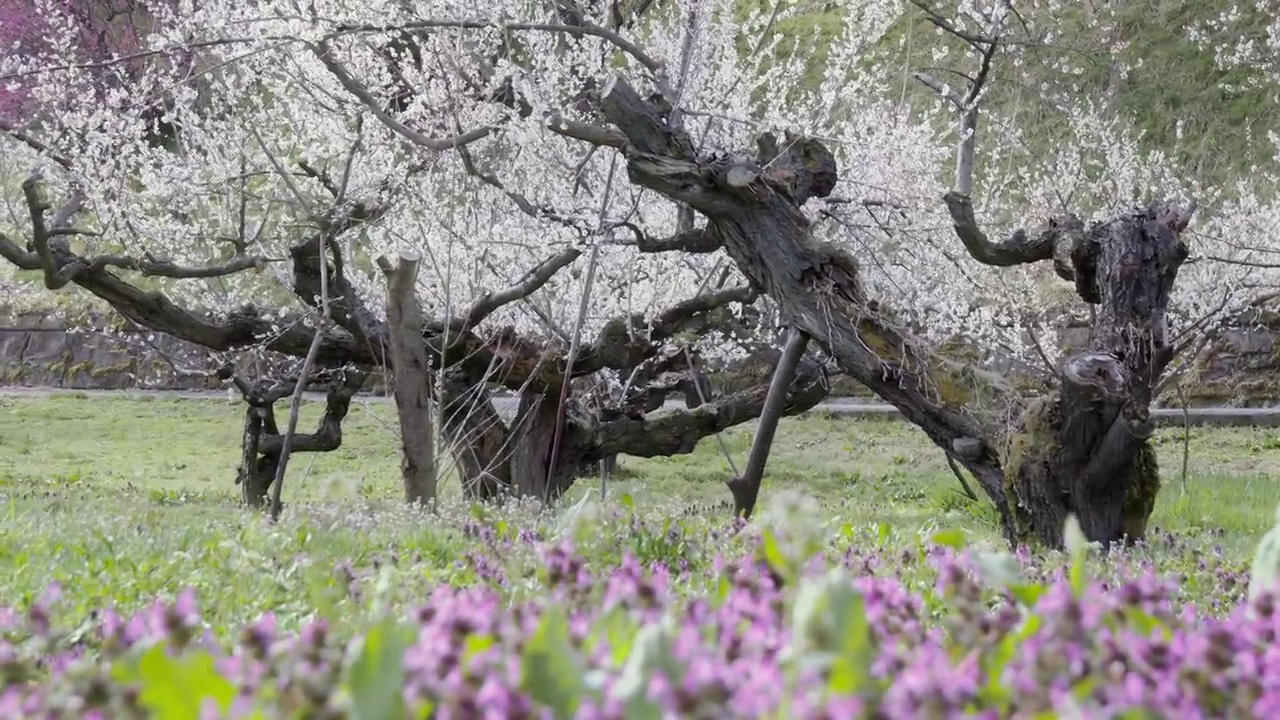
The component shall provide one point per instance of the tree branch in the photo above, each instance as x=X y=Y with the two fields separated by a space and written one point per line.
x=699 y=241
x=593 y=134
x=679 y=431
x=536 y=278
x=164 y=268
x=353 y=86
x=1018 y=248
x=650 y=63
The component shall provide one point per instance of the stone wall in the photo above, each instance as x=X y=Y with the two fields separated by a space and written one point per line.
x=38 y=350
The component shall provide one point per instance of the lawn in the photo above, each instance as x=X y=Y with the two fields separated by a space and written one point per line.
x=124 y=501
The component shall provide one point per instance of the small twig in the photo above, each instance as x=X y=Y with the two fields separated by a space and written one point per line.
x=295 y=405
x=1186 y=438
x=576 y=341
x=964 y=483
x=724 y=447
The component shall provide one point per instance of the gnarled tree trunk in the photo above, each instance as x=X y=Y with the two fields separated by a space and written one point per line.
x=262 y=442
x=410 y=380
x=1085 y=449
x=477 y=438
x=1082 y=451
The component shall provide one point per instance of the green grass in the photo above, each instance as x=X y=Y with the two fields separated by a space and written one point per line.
x=123 y=500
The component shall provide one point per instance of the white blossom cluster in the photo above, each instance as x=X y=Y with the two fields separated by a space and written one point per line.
x=248 y=87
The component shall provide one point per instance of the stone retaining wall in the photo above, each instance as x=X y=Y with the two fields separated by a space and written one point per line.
x=39 y=351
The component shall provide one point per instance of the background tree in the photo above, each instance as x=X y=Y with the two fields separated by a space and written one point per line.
x=570 y=172
x=275 y=195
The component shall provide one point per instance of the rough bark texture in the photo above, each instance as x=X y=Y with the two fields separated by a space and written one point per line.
x=262 y=442
x=532 y=434
x=1085 y=449
x=475 y=358
x=477 y=439
x=411 y=383
x=755 y=210
x=1096 y=424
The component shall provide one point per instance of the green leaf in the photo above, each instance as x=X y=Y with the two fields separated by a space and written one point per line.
x=851 y=671
x=176 y=688
x=1028 y=593
x=1078 y=546
x=954 y=538
x=550 y=670
x=576 y=517
x=723 y=587
x=475 y=644
x=627 y=501
x=999 y=569
x=1265 y=571
x=1143 y=621
x=650 y=652
x=994 y=691
x=376 y=678
x=617 y=630
x=773 y=554
x=831 y=632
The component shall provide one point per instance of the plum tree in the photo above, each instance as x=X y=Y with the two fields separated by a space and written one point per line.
x=597 y=190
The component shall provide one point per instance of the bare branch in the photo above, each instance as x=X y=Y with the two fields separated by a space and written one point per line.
x=36 y=208
x=536 y=278
x=964 y=482
x=594 y=134
x=31 y=142
x=355 y=87
x=699 y=241
x=940 y=21
x=1018 y=248
x=606 y=34
x=319 y=175
x=679 y=431
x=295 y=404
x=165 y=268
x=943 y=91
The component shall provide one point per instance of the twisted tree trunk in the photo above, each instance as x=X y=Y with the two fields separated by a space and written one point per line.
x=1082 y=450
x=262 y=443
x=1085 y=449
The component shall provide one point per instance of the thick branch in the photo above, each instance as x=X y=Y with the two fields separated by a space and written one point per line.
x=678 y=431
x=621 y=344
x=165 y=268
x=815 y=285
x=1018 y=248
x=355 y=87
x=604 y=137
x=328 y=434
x=696 y=242
x=536 y=278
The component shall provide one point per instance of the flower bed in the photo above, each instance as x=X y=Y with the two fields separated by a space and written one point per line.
x=789 y=630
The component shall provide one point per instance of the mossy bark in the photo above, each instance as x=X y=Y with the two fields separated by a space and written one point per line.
x=1084 y=450
x=1046 y=479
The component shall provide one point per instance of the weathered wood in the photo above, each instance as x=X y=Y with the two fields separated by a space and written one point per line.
x=477 y=438
x=411 y=380
x=262 y=443
x=1083 y=451
x=1086 y=450
x=746 y=489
